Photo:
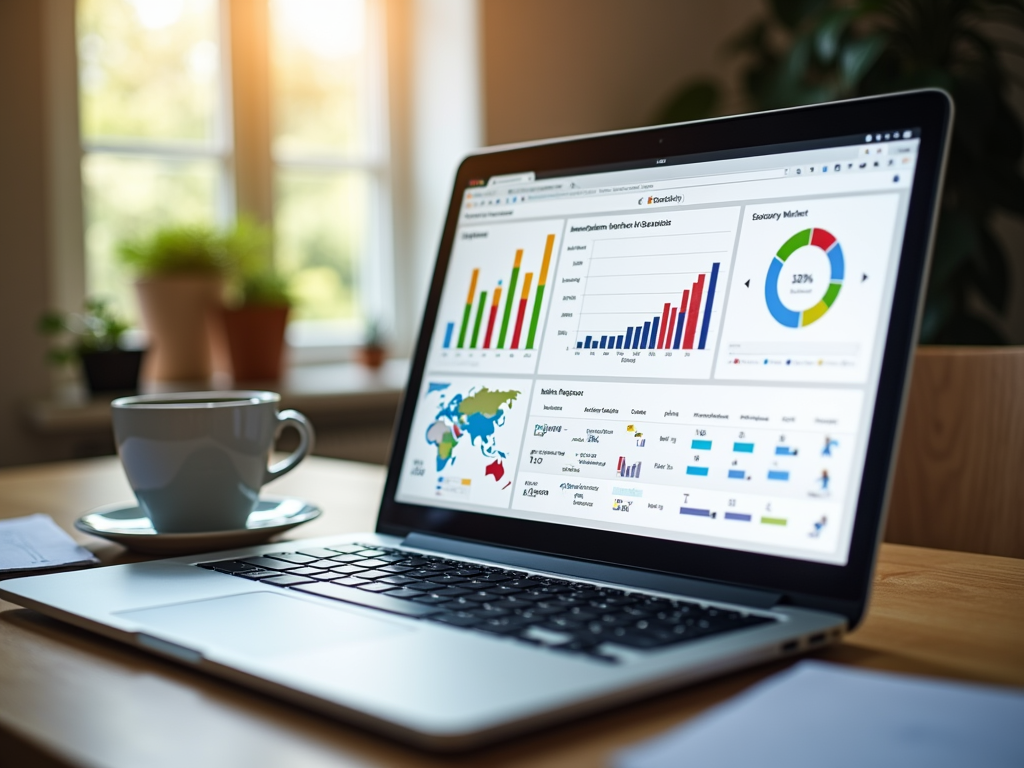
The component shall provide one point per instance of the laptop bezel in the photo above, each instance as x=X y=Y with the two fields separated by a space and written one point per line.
x=842 y=589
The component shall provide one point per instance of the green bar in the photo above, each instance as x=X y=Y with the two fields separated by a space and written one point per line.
x=536 y=317
x=479 y=317
x=465 y=325
x=799 y=240
x=509 y=299
x=773 y=520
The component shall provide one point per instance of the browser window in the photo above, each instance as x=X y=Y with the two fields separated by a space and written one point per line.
x=689 y=349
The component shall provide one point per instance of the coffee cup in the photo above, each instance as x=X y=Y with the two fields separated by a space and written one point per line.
x=197 y=460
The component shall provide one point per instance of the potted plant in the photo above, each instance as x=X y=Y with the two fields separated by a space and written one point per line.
x=95 y=337
x=181 y=271
x=373 y=353
x=255 y=328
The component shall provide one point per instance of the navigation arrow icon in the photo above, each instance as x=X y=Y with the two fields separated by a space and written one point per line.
x=863 y=277
x=748 y=283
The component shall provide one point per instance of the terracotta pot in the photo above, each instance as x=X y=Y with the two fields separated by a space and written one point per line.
x=372 y=356
x=177 y=312
x=255 y=338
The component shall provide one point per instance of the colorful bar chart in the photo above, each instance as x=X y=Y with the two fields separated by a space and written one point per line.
x=480 y=328
x=625 y=469
x=673 y=327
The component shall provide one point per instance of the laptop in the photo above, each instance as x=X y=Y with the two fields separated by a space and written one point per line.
x=647 y=439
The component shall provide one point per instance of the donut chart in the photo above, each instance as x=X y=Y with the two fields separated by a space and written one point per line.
x=818 y=238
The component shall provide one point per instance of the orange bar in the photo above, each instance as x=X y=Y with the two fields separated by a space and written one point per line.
x=472 y=286
x=519 y=258
x=548 y=247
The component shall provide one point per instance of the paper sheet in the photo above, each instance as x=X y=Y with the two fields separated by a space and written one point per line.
x=830 y=716
x=36 y=542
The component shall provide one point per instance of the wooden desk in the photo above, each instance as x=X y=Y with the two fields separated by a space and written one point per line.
x=68 y=697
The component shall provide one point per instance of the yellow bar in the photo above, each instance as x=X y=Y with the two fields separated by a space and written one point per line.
x=497 y=297
x=472 y=286
x=519 y=258
x=548 y=247
x=527 y=279
x=467 y=481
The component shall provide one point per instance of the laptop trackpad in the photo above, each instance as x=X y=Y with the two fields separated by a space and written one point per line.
x=260 y=624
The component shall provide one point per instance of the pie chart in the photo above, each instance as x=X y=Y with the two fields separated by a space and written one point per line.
x=798 y=255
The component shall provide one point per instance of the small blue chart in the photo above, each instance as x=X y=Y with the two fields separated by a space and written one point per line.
x=825 y=242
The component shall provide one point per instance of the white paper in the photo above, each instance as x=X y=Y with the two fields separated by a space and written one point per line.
x=830 y=716
x=33 y=542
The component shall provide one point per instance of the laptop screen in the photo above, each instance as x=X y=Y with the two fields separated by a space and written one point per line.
x=687 y=349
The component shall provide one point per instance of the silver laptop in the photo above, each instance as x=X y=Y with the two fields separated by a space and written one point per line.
x=647 y=437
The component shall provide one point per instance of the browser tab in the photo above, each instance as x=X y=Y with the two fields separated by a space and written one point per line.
x=511 y=178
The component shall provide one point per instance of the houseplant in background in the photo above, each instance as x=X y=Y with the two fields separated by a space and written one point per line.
x=255 y=327
x=180 y=275
x=95 y=338
x=808 y=51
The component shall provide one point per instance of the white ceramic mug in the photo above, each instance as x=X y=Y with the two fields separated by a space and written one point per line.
x=197 y=460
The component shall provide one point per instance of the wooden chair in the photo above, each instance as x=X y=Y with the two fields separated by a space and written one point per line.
x=960 y=473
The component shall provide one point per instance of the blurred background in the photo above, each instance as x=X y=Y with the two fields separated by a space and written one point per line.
x=332 y=130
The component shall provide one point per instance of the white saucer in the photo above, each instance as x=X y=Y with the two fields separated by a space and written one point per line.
x=128 y=525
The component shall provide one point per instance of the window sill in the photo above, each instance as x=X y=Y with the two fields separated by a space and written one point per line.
x=332 y=394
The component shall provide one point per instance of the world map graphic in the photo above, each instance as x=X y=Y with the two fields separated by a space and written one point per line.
x=467 y=420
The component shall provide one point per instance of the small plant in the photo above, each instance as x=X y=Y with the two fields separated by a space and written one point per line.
x=265 y=288
x=178 y=249
x=97 y=329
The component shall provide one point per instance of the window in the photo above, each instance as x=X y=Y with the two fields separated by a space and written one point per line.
x=198 y=110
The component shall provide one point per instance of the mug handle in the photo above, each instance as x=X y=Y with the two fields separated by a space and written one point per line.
x=301 y=425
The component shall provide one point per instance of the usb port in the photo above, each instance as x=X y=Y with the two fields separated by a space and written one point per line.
x=791 y=646
x=817 y=639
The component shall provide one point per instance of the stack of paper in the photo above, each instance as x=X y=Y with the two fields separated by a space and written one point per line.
x=36 y=542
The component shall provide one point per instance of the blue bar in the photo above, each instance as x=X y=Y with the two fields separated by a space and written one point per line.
x=579 y=345
x=629 y=338
x=707 y=306
x=737 y=516
x=700 y=445
x=679 y=329
x=699 y=471
x=643 y=339
x=618 y=341
x=743 y=447
x=589 y=343
x=775 y=474
x=636 y=337
x=603 y=340
x=695 y=512
x=448 y=335
x=652 y=342
x=737 y=474
x=784 y=450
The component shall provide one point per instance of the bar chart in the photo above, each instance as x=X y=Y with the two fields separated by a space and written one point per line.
x=479 y=315
x=674 y=326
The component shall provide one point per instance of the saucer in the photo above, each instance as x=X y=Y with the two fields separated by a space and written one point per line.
x=127 y=524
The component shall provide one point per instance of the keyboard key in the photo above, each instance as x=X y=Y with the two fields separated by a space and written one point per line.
x=398 y=580
x=415 y=562
x=467 y=571
x=404 y=594
x=292 y=557
x=494 y=577
x=307 y=571
x=323 y=563
x=372 y=563
x=286 y=580
x=350 y=581
x=372 y=586
x=396 y=568
x=230 y=566
x=371 y=552
x=524 y=584
x=431 y=599
x=319 y=553
x=446 y=578
x=347 y=549
x=391 y=558
x=347 y=558
x=347 y=569
x=271 y=564
x=423 y=586
x=451 y=592
x=256 y=575
x=457 y=619
x=374 y=575
x=369 y=599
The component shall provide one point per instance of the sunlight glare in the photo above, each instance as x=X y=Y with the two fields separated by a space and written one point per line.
x=157 y=14
x=332 y=29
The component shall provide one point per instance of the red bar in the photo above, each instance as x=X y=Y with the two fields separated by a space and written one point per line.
x=663 y=326
x=692 y=312
x=519 y=324
x=619 y=467
x=490 y=325
x=670 y=334
x=822 y=239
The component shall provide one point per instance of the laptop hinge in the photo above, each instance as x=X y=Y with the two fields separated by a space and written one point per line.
x=583 y=569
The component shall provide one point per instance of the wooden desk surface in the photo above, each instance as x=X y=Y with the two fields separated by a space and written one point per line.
x=68 y=697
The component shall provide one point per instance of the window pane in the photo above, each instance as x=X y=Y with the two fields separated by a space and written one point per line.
x=318 y=64
x=149 y=69
x=127 y=197
x=320 y=234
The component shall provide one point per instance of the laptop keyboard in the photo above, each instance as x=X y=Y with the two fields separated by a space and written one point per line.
x=565 y=615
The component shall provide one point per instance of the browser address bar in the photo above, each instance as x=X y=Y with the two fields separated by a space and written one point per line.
x=648 y=186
